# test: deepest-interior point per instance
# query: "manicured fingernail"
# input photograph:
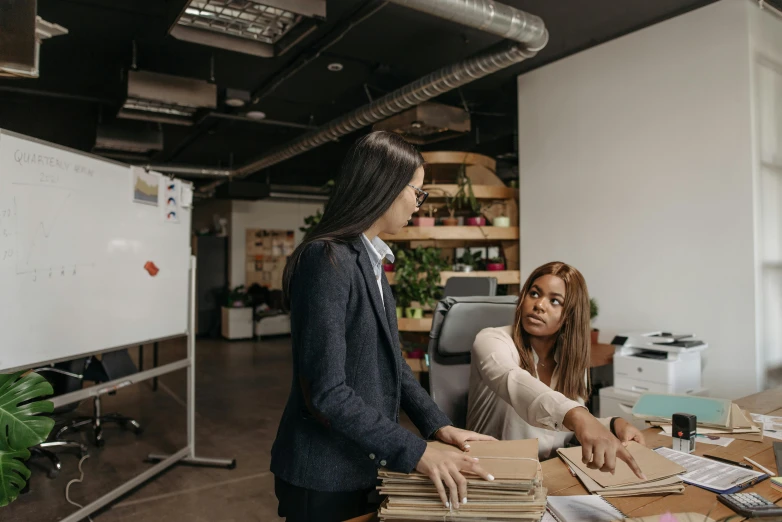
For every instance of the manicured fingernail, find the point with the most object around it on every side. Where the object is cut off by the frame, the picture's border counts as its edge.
(475, 459)
(448, 505)
(464, 500)
(643, 476)
(466, 445)
(491, 477)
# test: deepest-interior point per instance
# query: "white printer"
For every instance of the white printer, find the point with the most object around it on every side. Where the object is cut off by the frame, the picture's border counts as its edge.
(657, 362)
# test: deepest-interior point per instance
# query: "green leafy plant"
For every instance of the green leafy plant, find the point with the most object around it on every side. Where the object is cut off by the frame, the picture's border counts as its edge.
(238, 298)
(21, 427)
(310, 222)
(470, 259)
(465, 197)
(450, 201)
(594, 309)
(418, 276)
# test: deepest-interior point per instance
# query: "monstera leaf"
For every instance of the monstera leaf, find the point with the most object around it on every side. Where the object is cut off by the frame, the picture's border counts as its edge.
(21, 424)
(13, 473)
(21, 427)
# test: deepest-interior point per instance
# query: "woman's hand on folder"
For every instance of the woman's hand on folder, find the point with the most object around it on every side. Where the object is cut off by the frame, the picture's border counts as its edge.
(445, 468)
(600, 448)
(459, 437)
(626, 432)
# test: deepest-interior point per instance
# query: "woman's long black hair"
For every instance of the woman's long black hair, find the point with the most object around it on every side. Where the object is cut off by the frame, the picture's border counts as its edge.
(375, 171)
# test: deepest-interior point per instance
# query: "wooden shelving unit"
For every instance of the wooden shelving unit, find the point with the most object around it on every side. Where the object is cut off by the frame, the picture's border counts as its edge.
(440, 180)
(480, 191)
(504, 277)
(414, 325)
(464, 233)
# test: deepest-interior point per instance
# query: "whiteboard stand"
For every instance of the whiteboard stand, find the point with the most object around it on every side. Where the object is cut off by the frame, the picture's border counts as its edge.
(186, 455)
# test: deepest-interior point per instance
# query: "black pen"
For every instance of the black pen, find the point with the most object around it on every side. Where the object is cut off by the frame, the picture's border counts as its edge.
(727, 461)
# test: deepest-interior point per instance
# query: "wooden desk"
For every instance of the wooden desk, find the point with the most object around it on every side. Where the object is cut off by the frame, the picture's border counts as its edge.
(559, 481)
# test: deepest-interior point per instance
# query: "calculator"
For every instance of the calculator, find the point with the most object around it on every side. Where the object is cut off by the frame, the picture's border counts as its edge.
(750, 505)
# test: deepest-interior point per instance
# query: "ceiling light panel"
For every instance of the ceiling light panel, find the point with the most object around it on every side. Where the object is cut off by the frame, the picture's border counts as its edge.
(241, 18)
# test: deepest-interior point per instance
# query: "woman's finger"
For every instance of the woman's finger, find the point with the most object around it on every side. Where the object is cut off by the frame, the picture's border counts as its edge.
(453, 490)
(473, 466)
(438, 484)
(625, 456)
(598, 456)
(586, 453)
(639, 438)
(461, 483)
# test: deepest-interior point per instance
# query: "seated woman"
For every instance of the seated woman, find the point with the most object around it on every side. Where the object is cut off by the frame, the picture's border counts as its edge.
(530, 379)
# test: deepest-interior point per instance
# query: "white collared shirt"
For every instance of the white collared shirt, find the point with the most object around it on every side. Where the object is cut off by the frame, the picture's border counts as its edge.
(378, 250)
(509, 403)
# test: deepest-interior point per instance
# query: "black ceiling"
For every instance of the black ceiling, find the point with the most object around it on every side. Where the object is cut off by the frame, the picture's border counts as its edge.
(385, 51)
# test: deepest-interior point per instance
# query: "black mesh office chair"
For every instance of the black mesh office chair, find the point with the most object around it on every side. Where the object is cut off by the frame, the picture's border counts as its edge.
(457, 320)
(111, 366)
(65, 378)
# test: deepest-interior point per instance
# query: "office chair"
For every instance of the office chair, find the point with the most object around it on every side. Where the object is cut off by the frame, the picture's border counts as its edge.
(111, 366)
(457, 320)
(470, 286)
(65, 378)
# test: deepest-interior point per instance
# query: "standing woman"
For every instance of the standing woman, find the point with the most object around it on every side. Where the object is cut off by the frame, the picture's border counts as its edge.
(349, 378)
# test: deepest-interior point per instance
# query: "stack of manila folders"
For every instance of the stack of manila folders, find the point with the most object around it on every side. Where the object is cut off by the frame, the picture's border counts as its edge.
(662, 475)
(515, 494)
(720, 417)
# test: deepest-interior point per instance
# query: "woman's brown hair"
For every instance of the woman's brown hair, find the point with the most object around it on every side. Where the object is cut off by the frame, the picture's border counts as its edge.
(573, 339)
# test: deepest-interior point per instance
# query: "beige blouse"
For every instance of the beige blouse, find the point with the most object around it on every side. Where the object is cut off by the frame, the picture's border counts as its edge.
(507, 402)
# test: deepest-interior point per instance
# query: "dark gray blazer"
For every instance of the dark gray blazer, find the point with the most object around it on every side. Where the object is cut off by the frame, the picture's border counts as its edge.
(349, 378)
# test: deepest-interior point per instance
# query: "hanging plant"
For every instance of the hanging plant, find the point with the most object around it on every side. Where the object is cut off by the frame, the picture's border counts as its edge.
(21, 427)
(310, 222)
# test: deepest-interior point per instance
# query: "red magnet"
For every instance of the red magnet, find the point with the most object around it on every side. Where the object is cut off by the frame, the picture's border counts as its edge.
(150, 267)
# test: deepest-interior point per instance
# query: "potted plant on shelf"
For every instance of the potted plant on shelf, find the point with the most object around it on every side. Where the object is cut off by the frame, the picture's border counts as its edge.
(467, 262)
(594, 309)
(21, 427)
(465, 199)
(418, 280)
(450, 205)
(495, 264)
(425, 221)
(502, 220)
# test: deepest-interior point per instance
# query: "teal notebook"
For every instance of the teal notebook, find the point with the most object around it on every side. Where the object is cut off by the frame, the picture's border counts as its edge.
(654, 406)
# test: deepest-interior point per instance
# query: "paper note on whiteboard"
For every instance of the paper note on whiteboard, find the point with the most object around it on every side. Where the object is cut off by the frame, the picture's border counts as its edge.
(187, 196)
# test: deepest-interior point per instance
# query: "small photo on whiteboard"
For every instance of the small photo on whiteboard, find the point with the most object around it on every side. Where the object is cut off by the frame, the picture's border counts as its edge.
(145, 187)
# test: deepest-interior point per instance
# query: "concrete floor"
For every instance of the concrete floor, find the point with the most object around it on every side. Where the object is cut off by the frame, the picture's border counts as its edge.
(241, 392)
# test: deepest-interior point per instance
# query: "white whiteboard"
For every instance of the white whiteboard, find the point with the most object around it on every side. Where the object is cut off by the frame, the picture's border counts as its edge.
(73, 248)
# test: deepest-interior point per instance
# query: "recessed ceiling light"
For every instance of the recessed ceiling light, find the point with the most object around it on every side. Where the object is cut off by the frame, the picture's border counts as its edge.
(256, 115)
(234, 102)
(335, 67)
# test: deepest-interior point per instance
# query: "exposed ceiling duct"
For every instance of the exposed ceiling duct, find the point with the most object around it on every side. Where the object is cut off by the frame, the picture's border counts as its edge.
(487, 15)
(428, 123)
(426, 88)
(128, 138)
(527, 30)
(165, 98)
(264, 28)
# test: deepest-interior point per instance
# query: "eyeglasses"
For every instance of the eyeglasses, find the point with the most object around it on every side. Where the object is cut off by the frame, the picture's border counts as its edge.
(420, 195)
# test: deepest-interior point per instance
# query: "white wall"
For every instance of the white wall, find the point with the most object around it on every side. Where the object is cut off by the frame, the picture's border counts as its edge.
(635, 161)
(273, 215)
(766, 60)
